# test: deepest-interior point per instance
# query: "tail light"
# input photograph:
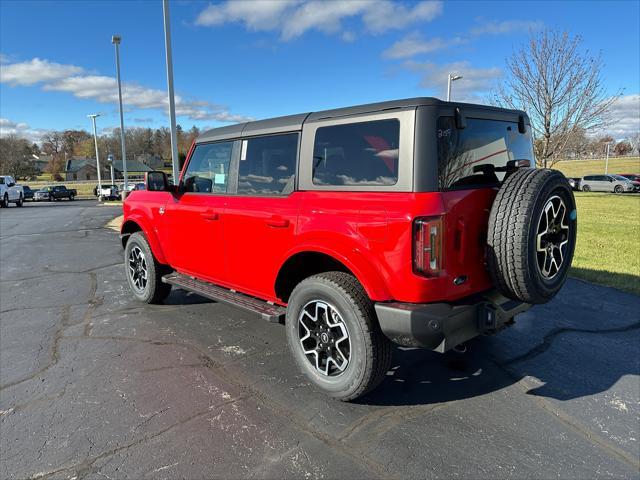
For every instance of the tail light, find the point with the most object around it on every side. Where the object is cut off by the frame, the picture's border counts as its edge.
(427, 249)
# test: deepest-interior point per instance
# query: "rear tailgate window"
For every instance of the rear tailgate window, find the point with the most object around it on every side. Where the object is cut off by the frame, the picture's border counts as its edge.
(477, 156)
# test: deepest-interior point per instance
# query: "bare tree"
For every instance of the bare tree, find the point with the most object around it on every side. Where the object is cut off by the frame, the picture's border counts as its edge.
(560, 87)
(16, 157)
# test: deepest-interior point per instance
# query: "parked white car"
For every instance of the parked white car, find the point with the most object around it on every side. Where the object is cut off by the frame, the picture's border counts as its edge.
(10, 192)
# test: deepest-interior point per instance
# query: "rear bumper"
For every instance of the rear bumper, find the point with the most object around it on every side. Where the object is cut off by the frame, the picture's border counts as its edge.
(442, 326)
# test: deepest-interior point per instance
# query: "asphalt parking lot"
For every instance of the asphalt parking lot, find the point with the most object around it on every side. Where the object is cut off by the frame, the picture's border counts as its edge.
(95, 385)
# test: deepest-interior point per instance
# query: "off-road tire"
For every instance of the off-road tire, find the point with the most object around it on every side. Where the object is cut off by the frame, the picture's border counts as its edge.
(514, 221)
(155, 291)
(370, 354)
(20, 201)
(586, 188)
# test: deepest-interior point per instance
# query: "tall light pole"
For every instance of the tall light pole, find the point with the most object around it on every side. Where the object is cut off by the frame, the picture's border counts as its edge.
(95, 139)
(116, 39)
(172, 102)
(606, 162)
(452, 78)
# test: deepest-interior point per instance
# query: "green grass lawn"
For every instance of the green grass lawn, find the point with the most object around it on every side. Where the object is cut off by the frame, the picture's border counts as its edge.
(608, 247)
(580, 168)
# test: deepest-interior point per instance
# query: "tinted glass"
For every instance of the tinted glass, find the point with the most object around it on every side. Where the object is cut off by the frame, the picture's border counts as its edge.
(589, 177)
(1, 180)
(363, 153)
(268, 165)
(208, 169)
(477, 155)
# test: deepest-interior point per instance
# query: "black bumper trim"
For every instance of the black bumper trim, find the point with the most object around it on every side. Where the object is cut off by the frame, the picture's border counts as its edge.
(442, 326)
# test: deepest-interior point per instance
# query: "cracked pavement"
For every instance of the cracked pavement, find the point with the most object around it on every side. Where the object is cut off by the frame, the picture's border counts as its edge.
(95, 385)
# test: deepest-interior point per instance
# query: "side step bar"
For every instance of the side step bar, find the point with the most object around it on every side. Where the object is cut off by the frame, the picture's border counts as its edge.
(268, 311)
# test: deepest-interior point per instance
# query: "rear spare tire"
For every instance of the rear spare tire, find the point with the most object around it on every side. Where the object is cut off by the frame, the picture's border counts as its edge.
(532, 235)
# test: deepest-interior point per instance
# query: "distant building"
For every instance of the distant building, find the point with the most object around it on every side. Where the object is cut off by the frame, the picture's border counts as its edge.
(79, 168)
(40, 162)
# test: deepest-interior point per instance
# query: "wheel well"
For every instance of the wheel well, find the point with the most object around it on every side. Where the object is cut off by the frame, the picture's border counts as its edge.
(301, 266)
(128, 228)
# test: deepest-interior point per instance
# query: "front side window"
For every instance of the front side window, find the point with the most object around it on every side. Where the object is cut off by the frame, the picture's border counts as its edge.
(479, 154)
(364, 153)
(208, 169)
(268, 165)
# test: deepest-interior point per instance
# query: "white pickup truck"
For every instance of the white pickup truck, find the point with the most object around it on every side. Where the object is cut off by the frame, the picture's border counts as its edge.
(10, 192)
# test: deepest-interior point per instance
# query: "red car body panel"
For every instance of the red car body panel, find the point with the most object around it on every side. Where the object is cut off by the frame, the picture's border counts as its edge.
(242, 242)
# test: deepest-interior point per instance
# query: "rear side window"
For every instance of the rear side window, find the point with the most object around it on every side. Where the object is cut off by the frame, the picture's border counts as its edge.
(268, 165)
(478, 155)
(363, 153)
(208, 169)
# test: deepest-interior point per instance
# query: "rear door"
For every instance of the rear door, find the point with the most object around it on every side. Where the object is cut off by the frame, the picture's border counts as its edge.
(260, 220)
(195, 217)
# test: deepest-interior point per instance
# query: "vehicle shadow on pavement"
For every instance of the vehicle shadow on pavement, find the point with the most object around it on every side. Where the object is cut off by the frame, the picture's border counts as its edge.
(182, 297)
(569, 364)
(422, 377)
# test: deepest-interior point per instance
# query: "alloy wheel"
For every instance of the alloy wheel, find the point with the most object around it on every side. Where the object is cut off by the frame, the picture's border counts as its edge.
(324, 338)
(138, 272)
(552, 237)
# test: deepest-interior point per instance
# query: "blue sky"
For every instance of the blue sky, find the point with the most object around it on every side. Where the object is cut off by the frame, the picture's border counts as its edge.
(257, 59)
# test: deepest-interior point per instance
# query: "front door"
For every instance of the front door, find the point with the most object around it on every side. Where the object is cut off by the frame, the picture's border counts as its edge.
(261, 219)
(195, 217)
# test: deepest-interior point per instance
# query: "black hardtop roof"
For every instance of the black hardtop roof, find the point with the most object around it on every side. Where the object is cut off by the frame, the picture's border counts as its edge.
(291, 123)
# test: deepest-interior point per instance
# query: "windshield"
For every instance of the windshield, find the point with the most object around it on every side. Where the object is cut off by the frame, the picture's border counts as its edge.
(620, 178)
(477, 155)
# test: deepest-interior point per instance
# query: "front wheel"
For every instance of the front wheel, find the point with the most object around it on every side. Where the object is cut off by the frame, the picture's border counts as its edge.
(618, 189)
(71, 198)
(20, 201)
(5, 201)
(334, 336)
(144, 272)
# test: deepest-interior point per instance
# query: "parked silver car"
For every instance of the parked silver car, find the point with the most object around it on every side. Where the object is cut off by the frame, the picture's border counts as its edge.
(606, 183)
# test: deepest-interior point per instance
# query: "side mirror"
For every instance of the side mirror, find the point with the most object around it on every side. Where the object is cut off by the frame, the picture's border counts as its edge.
(11, 185)
(157, 182)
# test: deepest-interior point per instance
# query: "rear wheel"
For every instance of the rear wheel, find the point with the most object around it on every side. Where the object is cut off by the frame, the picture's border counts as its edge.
(20, 201)
(72, 197)
(144, 272)
(532, 235)
(334, 336)
(586, 188)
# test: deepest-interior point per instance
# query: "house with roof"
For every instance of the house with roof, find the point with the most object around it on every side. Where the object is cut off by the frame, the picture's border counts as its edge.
(83, 168)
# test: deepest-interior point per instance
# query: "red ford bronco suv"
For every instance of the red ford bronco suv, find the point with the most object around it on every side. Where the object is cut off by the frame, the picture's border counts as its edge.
(416, 221)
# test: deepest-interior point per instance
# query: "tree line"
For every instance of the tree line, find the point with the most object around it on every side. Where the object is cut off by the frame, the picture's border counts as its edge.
(18, 156)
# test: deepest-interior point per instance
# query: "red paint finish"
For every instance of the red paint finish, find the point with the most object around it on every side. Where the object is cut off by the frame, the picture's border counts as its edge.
(241, 242)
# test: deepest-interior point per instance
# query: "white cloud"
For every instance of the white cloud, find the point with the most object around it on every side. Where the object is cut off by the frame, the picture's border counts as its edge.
(34, 71)
(474, 86)
(293, 18)
(414, 44)
(506, 26)
(20, 129)
(74, 80)
(625, 117)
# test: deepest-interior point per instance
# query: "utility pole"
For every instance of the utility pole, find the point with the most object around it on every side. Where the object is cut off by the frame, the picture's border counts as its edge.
(95, 139)
(172, 102)
(606, 163)
(116, 39)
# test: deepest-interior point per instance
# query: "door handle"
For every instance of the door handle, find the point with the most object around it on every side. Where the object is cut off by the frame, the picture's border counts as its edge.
(211, 216)
(278, 222)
